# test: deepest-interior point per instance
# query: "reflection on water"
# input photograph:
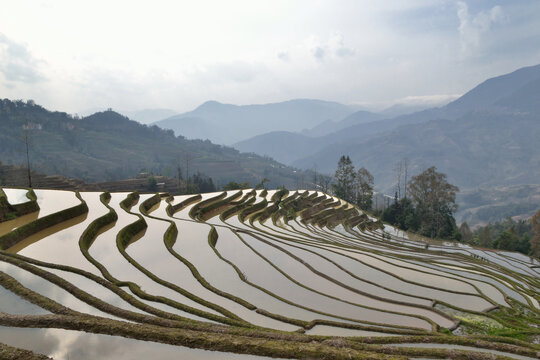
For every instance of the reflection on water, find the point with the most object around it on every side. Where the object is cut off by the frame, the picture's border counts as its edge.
(77, 345)
(47, 233)
(48, 289)
(7, 226)
(192, 243)
(231, 280)
(51, 201)
(302, 274)
(383, 269)
(263, 274)
(105, 251)
(13, 304)
(62, 245)
(16, 196)
(393, 283)
(461, 347)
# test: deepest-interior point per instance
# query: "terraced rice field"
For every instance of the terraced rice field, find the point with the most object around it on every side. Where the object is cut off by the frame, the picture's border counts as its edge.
(257, 273)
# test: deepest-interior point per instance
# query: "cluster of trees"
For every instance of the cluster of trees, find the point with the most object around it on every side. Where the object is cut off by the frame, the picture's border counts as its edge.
(427, 206)
(522, 235)
(353, 186)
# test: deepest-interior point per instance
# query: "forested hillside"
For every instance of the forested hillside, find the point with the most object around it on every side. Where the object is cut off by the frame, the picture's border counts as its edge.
(109, 146)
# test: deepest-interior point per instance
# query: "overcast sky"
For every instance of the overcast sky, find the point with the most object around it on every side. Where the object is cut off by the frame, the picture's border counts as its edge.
(77, 55)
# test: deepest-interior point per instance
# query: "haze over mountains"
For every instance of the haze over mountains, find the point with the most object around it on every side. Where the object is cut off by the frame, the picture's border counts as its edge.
(493, 121)
(489, 137)
(227, 124)
(486, 141)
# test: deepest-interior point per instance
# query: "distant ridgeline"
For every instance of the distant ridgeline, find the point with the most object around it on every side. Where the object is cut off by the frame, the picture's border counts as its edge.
(107, 146)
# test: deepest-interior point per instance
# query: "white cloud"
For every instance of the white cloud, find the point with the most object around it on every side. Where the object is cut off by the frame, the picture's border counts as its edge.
(337, 46)
(472, 28)
(334, 47)
(178, 54)
(17, 64)
(284, 56)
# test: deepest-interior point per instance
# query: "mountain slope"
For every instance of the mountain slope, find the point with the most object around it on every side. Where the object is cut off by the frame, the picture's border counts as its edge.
(481, 148)
(227, 124)
(492, 91)
(282, 146)
(279, 145)
(327, 127)
(109, 146)
(518, 91)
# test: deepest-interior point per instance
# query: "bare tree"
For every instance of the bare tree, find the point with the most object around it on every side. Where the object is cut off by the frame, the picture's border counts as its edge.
(364, 191)
(315, 175)
(324, 182)
(398, 170)
(405, 168)
(401, 169)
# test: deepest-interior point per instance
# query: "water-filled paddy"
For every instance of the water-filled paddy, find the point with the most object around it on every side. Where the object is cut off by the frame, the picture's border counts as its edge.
(75, 345)
(218, 276)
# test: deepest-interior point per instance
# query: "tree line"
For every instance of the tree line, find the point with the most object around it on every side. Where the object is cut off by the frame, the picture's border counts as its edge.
(513, 235)
(426, 204)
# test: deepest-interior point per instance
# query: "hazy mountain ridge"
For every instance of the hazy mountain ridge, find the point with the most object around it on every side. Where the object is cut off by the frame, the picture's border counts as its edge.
(479, 148)
(281, 145)
(486, 138)
(283, 150)
(518, 91)
(358, 117)
(109, 146)
(227, 124)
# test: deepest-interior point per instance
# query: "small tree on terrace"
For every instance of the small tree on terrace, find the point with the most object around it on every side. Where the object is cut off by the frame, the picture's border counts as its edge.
(435, 201)
(364, 183)
(345, 176)
(466, 233)
(535, 241)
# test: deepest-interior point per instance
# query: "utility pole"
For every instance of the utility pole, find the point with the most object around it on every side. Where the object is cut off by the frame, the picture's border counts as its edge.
(26, 128)
(187, 158)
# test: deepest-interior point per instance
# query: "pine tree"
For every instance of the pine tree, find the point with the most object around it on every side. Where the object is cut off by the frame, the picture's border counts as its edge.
(508, 240)
(345, 176)
(484, 238)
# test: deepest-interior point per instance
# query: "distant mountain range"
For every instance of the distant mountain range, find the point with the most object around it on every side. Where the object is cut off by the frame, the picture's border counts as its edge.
(486, 141)
(228, 124)
(489, 137)
(504, 105)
